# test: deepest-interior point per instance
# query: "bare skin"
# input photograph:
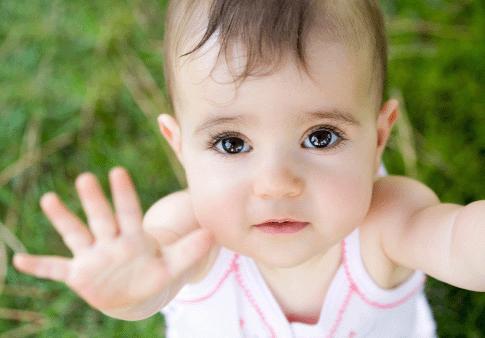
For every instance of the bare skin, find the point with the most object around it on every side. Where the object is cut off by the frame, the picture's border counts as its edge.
(117, 267)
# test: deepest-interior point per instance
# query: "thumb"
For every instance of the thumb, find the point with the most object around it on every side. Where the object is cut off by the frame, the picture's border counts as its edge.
(188, 251)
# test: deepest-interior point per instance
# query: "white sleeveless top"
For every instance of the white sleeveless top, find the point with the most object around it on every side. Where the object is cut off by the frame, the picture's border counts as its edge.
(233, 300)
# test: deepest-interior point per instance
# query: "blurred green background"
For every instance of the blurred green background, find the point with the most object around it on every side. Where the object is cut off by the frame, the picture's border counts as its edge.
(81, 84)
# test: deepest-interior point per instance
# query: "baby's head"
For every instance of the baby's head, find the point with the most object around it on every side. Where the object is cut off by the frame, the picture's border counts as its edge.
(257, 37)
(277, 116)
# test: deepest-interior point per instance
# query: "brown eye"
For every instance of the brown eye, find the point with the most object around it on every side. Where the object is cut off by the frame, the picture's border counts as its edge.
(231, 145)
(321, 138)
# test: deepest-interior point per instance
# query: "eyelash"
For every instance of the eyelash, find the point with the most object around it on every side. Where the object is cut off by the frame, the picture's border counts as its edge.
(214, 139)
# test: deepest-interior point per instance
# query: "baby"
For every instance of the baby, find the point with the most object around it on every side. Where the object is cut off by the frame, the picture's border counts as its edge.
(286, 229)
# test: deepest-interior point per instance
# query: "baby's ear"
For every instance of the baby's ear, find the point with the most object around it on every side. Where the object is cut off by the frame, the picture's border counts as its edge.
(387, 117)
(170, 130)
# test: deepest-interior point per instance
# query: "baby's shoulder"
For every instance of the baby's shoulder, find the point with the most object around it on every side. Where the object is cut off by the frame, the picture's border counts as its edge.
(399, 195)
(395, 199)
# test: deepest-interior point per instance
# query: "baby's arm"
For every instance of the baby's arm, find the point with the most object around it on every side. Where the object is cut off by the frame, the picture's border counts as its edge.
(172, 223)
(116, 267)
(444, 240)
(170, 219)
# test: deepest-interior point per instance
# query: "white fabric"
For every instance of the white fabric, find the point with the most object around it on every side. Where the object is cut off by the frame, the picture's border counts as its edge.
(234, 301)
(382, 170)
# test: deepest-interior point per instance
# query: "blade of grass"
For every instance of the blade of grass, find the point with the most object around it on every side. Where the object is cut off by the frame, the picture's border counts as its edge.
(398, 26)
(24, 331)
(7, 237)
(3, 266)
(147, 95)
(25, 291)
(404, 139)
(32, 157)
(21, 315)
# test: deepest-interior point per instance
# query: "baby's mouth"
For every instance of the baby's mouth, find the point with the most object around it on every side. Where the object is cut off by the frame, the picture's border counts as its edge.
(281, 226)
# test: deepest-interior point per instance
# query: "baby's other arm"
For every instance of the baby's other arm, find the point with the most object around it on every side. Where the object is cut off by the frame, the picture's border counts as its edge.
(170, 219)
(444, 240)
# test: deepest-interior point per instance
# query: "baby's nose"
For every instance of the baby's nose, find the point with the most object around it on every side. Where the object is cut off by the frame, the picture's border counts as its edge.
(276, 182)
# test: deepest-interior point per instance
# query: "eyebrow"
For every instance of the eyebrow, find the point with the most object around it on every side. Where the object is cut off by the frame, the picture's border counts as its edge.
(215, 121)
(334, 114)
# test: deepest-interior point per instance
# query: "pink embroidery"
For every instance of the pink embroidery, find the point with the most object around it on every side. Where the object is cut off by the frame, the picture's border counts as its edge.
(252, 301)
(232, 268)
(354, 288)
(341, 312)
(365, 298)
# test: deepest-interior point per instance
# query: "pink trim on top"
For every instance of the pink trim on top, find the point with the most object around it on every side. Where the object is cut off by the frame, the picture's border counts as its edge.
(364, 297)
(252, 301)
(341, 311)
(232, 268)
(355, 289)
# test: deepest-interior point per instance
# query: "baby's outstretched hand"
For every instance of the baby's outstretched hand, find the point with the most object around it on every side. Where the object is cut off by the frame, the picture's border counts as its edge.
(115, 263)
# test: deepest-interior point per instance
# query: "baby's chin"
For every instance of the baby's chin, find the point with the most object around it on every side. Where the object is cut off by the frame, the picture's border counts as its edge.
(282, 261)
(282, 255)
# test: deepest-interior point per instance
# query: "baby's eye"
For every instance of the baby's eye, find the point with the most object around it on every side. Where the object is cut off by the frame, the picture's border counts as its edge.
(322, 138)
(231, 145)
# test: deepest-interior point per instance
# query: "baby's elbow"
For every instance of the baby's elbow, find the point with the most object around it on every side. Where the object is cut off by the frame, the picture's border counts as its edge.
(170, 218)
(165, 210)
(152, 218)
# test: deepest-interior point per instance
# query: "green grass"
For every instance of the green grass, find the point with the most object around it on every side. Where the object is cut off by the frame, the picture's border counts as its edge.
(81, 85)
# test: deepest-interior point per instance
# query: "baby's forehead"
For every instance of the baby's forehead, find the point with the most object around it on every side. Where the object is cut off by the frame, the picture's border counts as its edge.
(335, 75)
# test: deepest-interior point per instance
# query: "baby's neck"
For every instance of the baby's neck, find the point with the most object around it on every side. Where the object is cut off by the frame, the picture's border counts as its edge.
(319, 265)
(300, 291)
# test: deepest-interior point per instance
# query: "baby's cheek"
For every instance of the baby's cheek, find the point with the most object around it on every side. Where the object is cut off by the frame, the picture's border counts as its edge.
(217, 206)
(358, 193)
(220, 220)
(345, 200)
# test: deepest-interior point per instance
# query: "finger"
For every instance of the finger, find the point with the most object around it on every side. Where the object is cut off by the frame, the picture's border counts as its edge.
(183, 254)
(74, 233)
(127, 205)
(50, 267)
(97, 208)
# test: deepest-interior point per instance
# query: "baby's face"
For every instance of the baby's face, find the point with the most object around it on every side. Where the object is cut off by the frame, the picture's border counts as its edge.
(282, 146)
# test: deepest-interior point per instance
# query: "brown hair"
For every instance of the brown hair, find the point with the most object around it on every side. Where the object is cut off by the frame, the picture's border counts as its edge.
(272, 29)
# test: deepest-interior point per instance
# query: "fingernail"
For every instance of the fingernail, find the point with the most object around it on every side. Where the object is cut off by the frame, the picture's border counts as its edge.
(115, 169)
(47, 196)
(17, 258)
(84, 176)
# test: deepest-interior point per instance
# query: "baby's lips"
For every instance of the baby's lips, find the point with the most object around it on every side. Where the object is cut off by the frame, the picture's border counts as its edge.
(280, 221)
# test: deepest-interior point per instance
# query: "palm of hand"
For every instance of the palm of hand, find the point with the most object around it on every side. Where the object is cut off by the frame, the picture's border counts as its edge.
(118, 272)
(115, 263)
